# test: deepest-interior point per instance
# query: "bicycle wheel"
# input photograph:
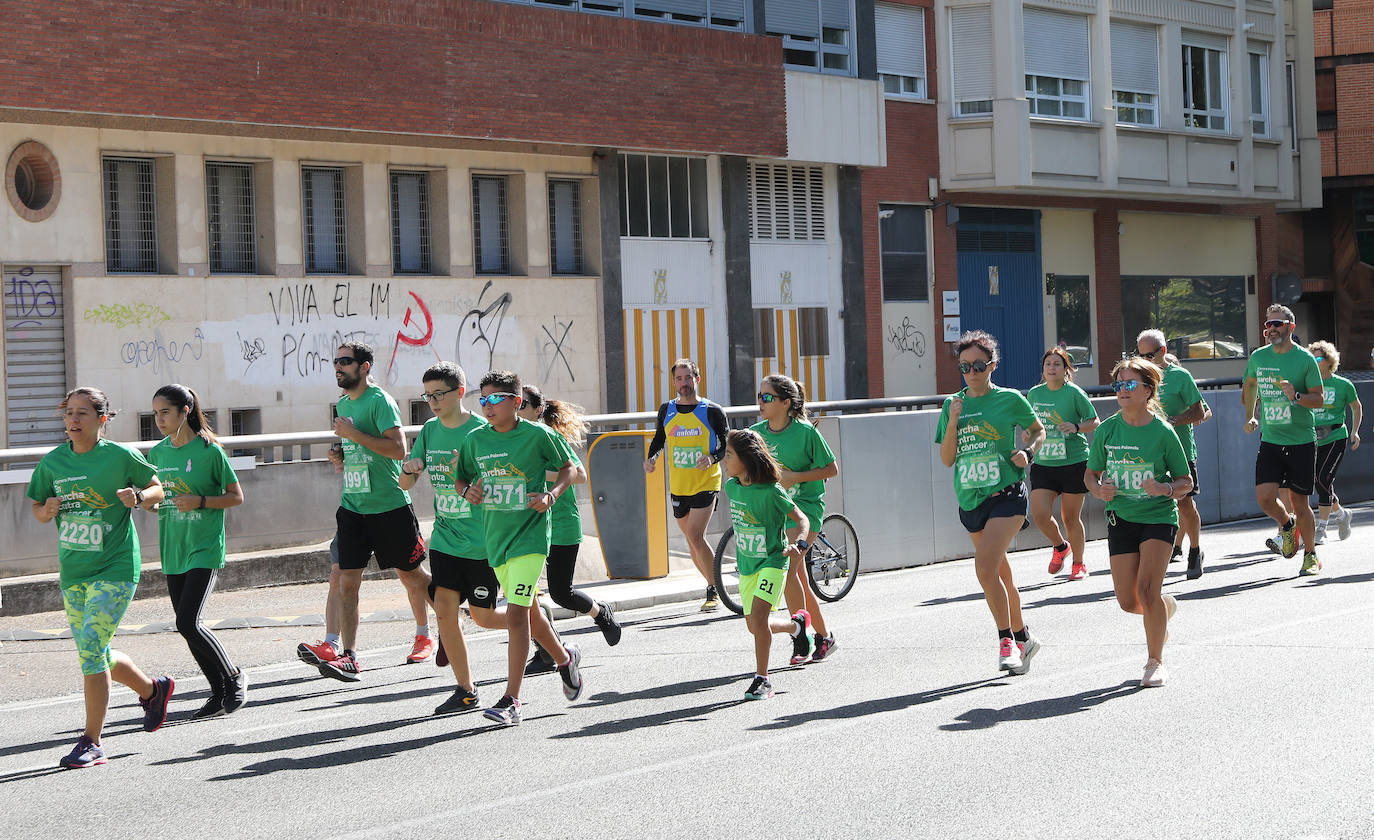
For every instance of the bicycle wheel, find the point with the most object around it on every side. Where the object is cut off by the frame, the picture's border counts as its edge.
(832, 564)
(726, 573)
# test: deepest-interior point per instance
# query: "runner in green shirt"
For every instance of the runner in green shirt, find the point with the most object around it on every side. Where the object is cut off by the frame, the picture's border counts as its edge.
(1283, 387)
(1338, 393)
(1067, 415)
(1137, 466)
(90, 485)
(806, 462)
(503, 468)
(976, 434)
(200, 485)
(759, 510)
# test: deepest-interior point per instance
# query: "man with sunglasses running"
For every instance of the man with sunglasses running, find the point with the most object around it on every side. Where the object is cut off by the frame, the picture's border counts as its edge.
(1288, 384)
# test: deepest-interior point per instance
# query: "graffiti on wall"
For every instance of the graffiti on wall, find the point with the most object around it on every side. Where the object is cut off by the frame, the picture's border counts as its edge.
(127, 314)
(906, 338)
(160, 354)
(30, 301)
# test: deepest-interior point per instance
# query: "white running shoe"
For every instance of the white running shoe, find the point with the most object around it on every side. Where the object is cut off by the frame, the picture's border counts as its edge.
(1321, 533)
(1008, 655)
(1155, 674)
(1029, 648)
(1343, 523)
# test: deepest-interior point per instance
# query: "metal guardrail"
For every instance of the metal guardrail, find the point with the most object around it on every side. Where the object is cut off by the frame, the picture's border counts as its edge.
(296, 446)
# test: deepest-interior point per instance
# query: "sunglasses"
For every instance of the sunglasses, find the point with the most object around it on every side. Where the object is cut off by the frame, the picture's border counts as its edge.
(1320, 358)
(495, 399)
(344, 361)
(1151, 354)
(975, 367)
(766, 398)
(1275, 323)
(1125, 385)
(437, 395)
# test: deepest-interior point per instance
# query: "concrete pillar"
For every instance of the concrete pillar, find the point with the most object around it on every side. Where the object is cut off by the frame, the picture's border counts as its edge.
(739, 290)
(612, 305)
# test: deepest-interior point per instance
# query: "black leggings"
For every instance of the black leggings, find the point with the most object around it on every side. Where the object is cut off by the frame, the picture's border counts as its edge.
(189, 591)
(1328, 461)
(559, 571)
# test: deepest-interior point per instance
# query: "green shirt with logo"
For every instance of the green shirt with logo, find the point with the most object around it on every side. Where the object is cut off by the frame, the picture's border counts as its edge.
(1283, 421)
(1337, 395)
(759, 513)
(96, 540)
(987, 440)
(457, 527)
(513, 467)
(800, 447)
(1128, 455)
(193, 539)
(371, 483)
(1069, 404)
(1178, 393)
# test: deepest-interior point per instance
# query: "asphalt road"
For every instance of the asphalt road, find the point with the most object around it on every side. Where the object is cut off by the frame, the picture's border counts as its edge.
(1264, 729)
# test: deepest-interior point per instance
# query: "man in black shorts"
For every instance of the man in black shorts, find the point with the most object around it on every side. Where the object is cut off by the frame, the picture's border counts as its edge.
(692, 431)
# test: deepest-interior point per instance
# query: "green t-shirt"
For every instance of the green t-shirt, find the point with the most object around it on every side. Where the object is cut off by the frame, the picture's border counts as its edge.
(1178, 393)
(1337, 394)
(457, 527)
(1070, 404)
(567, 521)
(95, 532)
(759, 514)
(1129, 454)
(1282, 421)
(799, 448)
(987, 439)
(371, 483)
(194, 539)
(512, 466)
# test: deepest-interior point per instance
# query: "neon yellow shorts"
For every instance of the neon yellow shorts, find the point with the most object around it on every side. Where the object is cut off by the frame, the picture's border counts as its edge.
(764, 585)
(519, 578)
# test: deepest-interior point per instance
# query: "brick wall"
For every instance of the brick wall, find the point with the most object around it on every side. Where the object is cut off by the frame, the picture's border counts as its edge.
(1355, 114)
(465, 68)
(1321, 33)
(1352, 25)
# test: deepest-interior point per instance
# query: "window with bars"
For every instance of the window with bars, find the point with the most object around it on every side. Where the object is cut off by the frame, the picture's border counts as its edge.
(245, 421)
(147, 427)
(419, 412)
(813, 331)
(325, 223)
(663, 197)
(765, 334)
(786, 202)
(1204, 84)
(490, 224)
(130, 215)
(902, 238)
(229, 218)
(410, 243)
(565, 226)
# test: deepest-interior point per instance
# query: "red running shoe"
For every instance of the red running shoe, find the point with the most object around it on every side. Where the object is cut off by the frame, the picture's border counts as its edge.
(1057, 559)
(422, 650)
(316, 653)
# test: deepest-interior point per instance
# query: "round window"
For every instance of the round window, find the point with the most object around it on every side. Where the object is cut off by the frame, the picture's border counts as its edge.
(32, 181)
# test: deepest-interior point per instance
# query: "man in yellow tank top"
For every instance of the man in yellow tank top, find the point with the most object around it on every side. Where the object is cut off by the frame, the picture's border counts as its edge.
(692, 431)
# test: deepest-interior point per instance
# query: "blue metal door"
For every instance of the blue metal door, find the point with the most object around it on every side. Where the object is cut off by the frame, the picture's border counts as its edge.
(1000, 288)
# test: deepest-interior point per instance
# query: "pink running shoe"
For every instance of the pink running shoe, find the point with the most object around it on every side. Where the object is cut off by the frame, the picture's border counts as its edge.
(801, 643)
(1079, 572)
(422, 650)
(1057, 559)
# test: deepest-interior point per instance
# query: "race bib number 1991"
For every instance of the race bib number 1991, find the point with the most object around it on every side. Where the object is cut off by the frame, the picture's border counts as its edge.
(357, 479)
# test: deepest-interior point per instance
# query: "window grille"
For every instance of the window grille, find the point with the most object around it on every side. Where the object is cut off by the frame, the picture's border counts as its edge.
(410, 243)
(490, 225)
(229, 216)
(663, 197)
(565, 226)
(902, 237)
(326, 232)
(130, 215)
(786, 202)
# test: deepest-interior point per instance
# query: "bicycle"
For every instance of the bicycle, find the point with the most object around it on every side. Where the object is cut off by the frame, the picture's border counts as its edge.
(832, 563)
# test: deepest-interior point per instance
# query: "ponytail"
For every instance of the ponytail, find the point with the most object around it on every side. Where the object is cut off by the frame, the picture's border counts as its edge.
(184, 398)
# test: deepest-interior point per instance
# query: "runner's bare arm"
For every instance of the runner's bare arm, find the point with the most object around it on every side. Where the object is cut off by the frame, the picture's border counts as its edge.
(392, 443)
(949, 444)
(46, 511)
(1190, 416)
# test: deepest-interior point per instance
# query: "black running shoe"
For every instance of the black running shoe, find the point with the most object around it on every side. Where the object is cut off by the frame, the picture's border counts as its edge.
(214, 707)
(605, 619)
(571, 674)
(461, 700)
(540, 663)
(235, 692)
(1178, 552)
(345, 668)
(155, 707)
(1195, 557)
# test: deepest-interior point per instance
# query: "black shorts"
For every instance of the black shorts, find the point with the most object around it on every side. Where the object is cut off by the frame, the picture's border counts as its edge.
(682, 505)
(473, 580)
(1293, 466)
(393, 536)
(1011, 501)
(1064, 479)
(1126, 537)
(1192, 473)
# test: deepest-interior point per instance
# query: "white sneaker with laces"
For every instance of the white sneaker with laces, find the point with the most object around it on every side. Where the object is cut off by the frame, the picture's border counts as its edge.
(1343, 523)
(1321, 533)
(1155, 674)
(1029, 648)
(1008, 655)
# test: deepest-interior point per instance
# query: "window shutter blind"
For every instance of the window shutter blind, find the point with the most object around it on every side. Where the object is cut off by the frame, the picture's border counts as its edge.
(682, 7)
(793, 17)
(835, 14)
(728, 9)
(1135, 57)
(971, 39)
(1056, 44)
(901, 32)
(1205, 39)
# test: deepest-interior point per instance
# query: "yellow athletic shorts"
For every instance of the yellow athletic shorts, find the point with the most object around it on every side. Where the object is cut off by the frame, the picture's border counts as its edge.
(764, 585)
(519, 578)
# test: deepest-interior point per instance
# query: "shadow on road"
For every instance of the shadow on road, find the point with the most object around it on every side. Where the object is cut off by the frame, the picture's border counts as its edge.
(664, 718)
(1322, 581)
(877, 706)
(1230, 589)
(661, 692)
(1040, 709)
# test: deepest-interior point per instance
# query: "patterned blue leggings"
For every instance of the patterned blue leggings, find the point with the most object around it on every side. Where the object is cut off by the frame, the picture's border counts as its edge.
(94, 610)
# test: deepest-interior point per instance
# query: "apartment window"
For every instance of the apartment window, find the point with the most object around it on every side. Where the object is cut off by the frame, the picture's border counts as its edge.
(1364, 224)
(130, 215)
(419, 412)
(1071, 309)
(245, 421)
(1259, 91)
(1289, 88)
(970, 32)
(1057, 67)
(901, 45)
(229, 218)
(326, 231)
(147, 427)
(720, 14)
(786, 202)
(565, 226)
(765, 334)
(815, 33)
(410, 243)
(663, 197)
(1204, 82)
(490, 224)
(813, 331)
(1202, 317)
(1135, 73)
(902, 238)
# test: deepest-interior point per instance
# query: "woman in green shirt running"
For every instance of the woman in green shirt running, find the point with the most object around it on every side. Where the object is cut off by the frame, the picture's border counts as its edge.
(1067, 415)
(1338, 393)
(977, 435)
(90, 486)
(1137, 466)
(200, 485)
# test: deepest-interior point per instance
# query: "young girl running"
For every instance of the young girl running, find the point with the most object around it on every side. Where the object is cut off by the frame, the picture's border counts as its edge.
(759, 509)
(1137, 466)
(1067, 415)
(566, 419)
(987, 483)
(1332, 434)
(199, 485)
(90, 486)
(806, 462)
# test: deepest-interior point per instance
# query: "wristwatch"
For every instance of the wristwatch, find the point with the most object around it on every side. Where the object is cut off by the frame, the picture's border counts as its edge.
(802, 545)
